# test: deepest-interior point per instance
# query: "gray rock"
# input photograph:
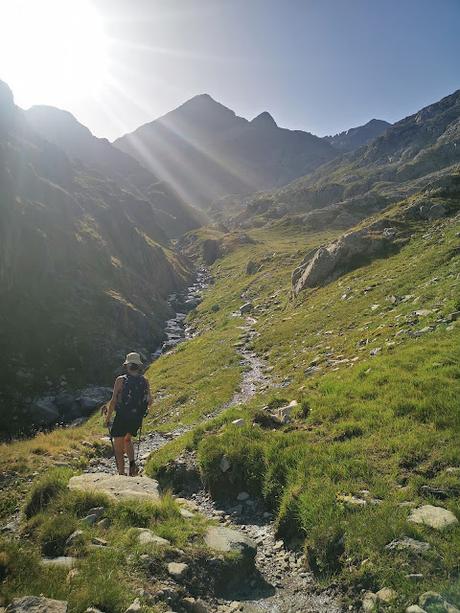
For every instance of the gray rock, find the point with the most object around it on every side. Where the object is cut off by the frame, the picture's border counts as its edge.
(414, 608)
(408, 544)
(433, 599)
(242, 496)
(333, 260)
(90, 519)
(435, 517)
(177, 570)
(147, 537)
(118, 487)
(76, 538)
(284, 413)
(226, 540)
(386, 595)
(134, 607)
(36, 604)
(246, 308)
(44, 411)
(61, 561)
(225, 464)
(239, 423)
(195, 605)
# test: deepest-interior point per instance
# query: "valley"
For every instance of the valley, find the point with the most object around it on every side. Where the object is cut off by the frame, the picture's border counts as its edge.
(302, 453)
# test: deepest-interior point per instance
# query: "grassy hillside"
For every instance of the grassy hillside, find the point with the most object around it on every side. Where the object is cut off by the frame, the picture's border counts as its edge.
(378, 419)
(374, 362)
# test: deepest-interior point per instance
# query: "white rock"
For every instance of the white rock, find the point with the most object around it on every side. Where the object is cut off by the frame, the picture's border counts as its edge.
(135, 607)
(435, 517)
(386, 595)
(61, 561)
(227, 540)
(414, 608)
(177, 570)
(118, 487)
(146, 537)
(225, 464)
(239, 423)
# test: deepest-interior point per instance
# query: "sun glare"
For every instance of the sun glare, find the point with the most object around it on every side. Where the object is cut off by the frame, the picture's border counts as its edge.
(52, 50)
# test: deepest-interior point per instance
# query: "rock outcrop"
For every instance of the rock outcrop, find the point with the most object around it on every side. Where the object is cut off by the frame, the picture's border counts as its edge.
(227, 540)
(117, 487)
(350, 251)
(36, 604)
(85, 271)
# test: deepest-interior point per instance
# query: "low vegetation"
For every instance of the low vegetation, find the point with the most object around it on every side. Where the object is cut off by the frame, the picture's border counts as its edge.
(373, 361)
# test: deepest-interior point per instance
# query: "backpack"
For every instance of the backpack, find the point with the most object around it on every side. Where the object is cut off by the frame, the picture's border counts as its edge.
(134, 397)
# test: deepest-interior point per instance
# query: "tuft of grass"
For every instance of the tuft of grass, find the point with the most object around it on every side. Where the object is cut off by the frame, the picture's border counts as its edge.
(54, 532)
(45, 490)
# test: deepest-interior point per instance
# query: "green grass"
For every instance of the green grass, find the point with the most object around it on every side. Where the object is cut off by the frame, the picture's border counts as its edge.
(107, 577)
(388, 424)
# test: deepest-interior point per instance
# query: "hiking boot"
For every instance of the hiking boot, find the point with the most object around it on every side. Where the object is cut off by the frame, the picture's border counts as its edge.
(133, 470)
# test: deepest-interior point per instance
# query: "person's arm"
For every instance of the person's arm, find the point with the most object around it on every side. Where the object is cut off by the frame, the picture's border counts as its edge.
(113, 401)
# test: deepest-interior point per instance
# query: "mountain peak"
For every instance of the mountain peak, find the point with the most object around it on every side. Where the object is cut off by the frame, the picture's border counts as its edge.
(264, 119)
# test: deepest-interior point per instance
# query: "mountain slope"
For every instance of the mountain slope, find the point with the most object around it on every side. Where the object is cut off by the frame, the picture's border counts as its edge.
(207, 151)
(85, 266)
(420, 150)
(61, 128)
(357, 137)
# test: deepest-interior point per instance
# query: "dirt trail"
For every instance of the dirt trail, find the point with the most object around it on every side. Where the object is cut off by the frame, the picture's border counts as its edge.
(280, 583)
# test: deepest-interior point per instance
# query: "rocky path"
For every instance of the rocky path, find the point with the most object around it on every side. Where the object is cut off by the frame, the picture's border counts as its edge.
(279, 583)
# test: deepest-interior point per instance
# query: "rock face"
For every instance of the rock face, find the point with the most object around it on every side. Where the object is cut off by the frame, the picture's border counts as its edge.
(37, 604)
(435, 517)
(350, 251)
(226, 540)
(117, 487)
(93, 281)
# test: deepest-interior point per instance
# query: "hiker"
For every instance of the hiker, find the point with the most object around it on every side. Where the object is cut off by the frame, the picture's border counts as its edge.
(131, 400)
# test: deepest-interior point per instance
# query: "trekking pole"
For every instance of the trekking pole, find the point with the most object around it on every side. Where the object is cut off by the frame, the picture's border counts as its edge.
(139, 442)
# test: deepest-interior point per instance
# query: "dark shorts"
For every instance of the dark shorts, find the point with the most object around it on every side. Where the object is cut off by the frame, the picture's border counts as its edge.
(125, 424)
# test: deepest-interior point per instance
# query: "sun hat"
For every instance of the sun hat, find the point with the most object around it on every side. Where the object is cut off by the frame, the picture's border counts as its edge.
(133, 358)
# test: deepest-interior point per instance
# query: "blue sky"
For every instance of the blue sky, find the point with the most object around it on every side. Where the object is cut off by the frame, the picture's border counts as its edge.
(316, 65)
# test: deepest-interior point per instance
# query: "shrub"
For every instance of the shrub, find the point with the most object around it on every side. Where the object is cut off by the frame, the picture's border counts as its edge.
(46, 489)
(54, 533)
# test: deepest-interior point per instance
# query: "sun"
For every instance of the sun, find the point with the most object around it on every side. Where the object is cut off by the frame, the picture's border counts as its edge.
(52, 51)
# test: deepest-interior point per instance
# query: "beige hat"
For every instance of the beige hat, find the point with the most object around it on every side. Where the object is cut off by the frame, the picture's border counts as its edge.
(133, 358)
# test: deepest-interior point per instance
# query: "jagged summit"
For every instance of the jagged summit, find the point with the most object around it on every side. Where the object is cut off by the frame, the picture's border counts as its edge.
(211, 152)
(264, 119)
(356, 137)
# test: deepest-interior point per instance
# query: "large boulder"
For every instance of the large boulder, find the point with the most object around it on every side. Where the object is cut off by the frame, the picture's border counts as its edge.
(226, 540)
(91, 398)
(36, 604)
(435, 517)
(350, 251)
(118, 487)
(44, 411)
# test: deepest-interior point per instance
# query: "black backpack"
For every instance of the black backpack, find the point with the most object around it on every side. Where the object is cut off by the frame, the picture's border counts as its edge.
(134, 396)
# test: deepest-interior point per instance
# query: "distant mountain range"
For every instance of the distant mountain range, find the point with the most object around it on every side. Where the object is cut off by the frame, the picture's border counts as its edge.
(420, 150)
(206, 151)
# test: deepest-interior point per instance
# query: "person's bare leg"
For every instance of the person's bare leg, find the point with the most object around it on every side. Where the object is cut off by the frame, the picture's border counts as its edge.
(119, 446)
(129, 448)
